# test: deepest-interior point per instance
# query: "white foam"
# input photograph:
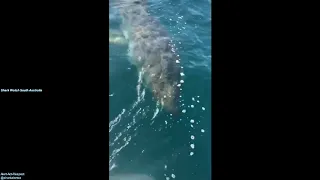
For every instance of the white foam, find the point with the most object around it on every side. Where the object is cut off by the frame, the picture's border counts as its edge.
(191, 153)
(139, 84)
(181, 81)
(155, 113)
(192, 106)
(165, 122)
(134, 117)
(115, 139)
(178, 85)
(112, 166)
(193, 99)
(116, 120)
(173, 176)
(116, 151)
(182, 74)
(198, 101)
(192, 121)
(177, 61)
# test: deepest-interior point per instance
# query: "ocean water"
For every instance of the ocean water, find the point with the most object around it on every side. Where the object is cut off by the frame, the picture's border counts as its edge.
(143, 138)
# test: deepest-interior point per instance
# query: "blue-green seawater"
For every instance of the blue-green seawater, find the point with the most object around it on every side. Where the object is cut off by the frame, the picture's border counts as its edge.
(143, 138)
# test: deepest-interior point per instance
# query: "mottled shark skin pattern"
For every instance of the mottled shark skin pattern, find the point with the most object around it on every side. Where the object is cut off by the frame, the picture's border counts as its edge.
(151, 51)
(131, 177)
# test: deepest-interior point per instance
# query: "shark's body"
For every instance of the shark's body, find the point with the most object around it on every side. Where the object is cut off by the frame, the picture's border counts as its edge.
(150, 50)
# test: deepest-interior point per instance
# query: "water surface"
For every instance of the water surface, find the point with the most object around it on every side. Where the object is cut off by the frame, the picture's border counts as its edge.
(144, 139)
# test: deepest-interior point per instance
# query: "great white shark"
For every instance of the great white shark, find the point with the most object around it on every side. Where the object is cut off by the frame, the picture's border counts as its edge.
(151, 50)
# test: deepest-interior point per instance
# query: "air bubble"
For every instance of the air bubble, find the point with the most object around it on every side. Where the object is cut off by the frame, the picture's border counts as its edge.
(202, 130)
(192, 121)
(192, 106)
(203, 108)
(192, 146)
(184, 111)
(191, 153)
(173, 176)
(192, 137)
